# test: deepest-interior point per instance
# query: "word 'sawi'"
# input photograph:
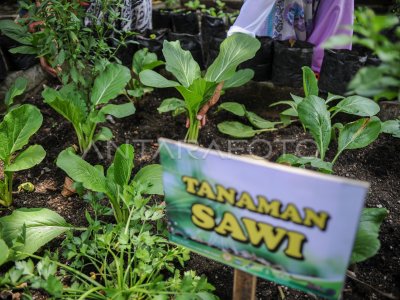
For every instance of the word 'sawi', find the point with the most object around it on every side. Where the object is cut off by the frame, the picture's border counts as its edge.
(256, 233)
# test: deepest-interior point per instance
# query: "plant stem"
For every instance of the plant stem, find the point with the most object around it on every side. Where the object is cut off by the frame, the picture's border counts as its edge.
(192, 134)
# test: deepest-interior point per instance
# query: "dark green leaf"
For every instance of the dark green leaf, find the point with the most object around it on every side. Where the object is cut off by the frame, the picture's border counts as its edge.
(18, 88)
(171, 104)
(359, 106)
(240, 78)
(234, 108)
(236, 129)
(310, 83)
(32, 156)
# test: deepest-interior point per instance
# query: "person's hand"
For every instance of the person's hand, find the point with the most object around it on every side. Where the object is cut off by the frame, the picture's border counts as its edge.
(202, 115)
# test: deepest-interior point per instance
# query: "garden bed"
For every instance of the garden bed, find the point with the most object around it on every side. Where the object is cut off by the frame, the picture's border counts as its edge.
(377, 164)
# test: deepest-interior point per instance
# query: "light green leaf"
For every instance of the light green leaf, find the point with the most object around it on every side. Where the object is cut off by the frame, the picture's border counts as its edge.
(4, 252)
(81, 171)
(123, 164)
(17, 127)
(171, 104)
(41, 224)
(359, 106)
(314, 115)
(119, 110)
(24, 50)
(105, 134)
(302, 162)
(110, 84)
(142, 59)
(180, 63)
(153, 79)
(234, 50)
(15, 32)
(236, 129)
(32, 156)
(17, 89)
(150, 177)
(259, 122)
(332, 97)
(391, 127)
(240, 78)
(359, 134)
(367, 242)
(310, 83)
(68, 103)
(234, 108)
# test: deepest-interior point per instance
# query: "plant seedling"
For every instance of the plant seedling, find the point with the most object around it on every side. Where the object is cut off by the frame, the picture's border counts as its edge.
(196, 89)
(142, 60)
(17, 89)
(316, 115)
(86, 111)
(116, 184)
(15, 131)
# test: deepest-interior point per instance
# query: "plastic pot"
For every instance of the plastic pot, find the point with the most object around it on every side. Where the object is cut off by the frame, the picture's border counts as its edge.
(152, 40)
(338, 68)
(190, 43)
(212, 27)
(262, 61)
(162, 19)
(288, 60)
(211, 52)
(185, 22)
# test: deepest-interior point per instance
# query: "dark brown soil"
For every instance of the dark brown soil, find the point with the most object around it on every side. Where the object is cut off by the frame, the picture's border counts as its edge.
(377, 164)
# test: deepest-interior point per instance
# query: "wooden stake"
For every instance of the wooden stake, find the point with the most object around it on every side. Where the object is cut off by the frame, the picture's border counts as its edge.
(244, 286)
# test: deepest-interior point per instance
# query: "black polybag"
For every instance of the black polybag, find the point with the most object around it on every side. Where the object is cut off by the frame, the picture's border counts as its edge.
(190, 43)
(16, 61)
(185, 22)
(162, 19)
(211, 52)
(339, 67)
(288, 61)
(261, 63)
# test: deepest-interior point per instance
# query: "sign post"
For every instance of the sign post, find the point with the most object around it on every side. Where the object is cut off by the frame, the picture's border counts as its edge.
(287, 225)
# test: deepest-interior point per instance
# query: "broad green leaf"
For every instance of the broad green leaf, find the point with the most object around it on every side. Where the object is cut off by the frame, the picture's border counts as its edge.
(359, 134)
(17, 89)
(391, 127)
(290, 112)
(314, 115)
(287, 159)
(359, 106)
(332, 97)
(4, 252)
(105, 134)
(296, 99)
(123, 164)
(81, 171)
(153, 79)
(310, 83)
(17, 127)
(41, 225)
(367, 242)
(236, 129)
(143, 58)
(110, 84)
(15, 32)
(119, 110)
(32, 156)
(234, 50)
(192, 99)
(171, 104)
(180, 63)
(24, 50)
(150, 177)
(240, 78)
(259, 122)
(68, 103)
(234, 108)
(315, 162)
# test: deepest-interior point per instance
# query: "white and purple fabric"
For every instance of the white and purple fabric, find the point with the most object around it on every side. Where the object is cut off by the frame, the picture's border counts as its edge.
(306, 20)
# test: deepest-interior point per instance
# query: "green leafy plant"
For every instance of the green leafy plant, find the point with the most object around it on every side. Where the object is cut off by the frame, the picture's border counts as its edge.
(142, 60)
(195, 89)
(107, 261)
(25, 231)
(86, 111)
(316, 114)
(369, 28)
(195, 5)
(55, 31)
(116, 184)
(16, 129)
(17, 89)
(240, 130)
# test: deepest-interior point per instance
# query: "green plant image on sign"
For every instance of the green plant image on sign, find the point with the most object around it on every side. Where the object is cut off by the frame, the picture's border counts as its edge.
(240, 211)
